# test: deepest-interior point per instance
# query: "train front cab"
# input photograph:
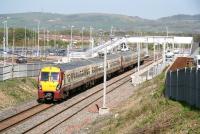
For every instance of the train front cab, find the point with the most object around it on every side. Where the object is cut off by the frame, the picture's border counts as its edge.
(49, 84)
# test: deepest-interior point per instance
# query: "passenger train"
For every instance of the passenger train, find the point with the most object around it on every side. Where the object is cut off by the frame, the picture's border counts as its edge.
(56, 82)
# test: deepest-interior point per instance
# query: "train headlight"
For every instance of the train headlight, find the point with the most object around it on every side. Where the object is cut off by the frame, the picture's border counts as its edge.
(58, 87)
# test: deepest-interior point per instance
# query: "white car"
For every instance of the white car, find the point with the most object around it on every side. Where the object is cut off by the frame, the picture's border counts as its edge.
(169, 54)
(176, 51)
(125, 49)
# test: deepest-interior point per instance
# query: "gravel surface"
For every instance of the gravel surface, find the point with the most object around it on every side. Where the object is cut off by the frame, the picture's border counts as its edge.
(45, 115)
(26, 125)
(5, 113)
(89, 114)
(66, 114)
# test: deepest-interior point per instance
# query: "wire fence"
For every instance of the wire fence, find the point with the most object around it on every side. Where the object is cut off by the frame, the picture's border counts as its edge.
(21, 70)
(183, 85)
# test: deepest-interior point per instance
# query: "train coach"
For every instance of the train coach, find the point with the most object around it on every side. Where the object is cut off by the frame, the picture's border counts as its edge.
(56, 82)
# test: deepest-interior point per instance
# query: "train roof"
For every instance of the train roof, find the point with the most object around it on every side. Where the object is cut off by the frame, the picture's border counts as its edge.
(96, 60)
(127, 53)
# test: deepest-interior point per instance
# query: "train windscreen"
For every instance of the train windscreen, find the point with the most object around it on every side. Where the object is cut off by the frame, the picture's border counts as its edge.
(47, 76)
(54, 76)
(44, 76)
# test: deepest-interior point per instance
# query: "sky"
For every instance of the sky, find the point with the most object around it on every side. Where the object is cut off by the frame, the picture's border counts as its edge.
(149, 9)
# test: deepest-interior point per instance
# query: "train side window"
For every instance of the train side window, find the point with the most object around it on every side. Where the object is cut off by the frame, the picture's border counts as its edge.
(93, 69)
(68, 77)
(72, 76)
(77, 74)
(85, 72)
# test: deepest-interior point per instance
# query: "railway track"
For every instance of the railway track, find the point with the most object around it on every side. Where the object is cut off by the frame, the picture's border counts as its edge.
(25, 115)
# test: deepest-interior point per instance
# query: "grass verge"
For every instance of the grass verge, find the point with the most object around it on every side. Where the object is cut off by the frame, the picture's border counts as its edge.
(148, 111)
(16, 91)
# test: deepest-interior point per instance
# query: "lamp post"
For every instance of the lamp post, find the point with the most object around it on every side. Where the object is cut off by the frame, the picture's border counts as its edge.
(6, 36)
(91, 41)
(47, 43)
(13, 50)
(82, 36)
(154, 52)
(44, 43)
(32, 41)
(111, 31)
(167, 37)
(54, 39)
(38, 47)
(47, 38)
(147, 49)
(25, 42)
(105, 73)
(5, 41)
(111, 36)
(104, 109)
(71, 36)
(3, 36)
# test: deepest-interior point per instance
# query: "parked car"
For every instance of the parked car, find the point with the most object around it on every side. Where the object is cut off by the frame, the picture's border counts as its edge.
(169, 54)
(176, 51)
(21, 59)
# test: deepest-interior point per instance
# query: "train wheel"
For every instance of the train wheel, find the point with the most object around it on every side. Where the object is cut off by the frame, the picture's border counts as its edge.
(83, 87)
(91, 83)
(121, 70)
(87, 85)
(65, 95)
(109, 76)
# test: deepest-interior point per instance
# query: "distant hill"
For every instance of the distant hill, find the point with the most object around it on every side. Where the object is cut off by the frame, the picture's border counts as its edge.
(177, 23)
(182, 23)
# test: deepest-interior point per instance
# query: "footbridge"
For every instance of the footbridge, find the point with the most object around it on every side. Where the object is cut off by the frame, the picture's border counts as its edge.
(112, 45)
(183, 44)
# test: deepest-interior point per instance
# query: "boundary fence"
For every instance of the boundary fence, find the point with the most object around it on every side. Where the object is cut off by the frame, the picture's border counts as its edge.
(183, 85)
(20, 70)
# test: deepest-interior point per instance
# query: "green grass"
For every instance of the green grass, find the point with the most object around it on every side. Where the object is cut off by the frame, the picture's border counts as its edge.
(148, 111)
(16, 91)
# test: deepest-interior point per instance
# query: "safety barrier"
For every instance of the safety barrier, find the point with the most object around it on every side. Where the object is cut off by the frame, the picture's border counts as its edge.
(183, 85)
